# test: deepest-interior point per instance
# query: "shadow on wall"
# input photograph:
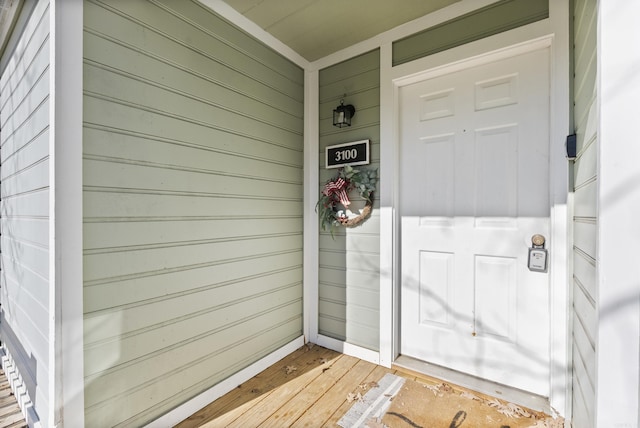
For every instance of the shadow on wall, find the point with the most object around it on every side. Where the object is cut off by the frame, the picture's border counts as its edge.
(481, 357)
(349, 281)
(20, 365)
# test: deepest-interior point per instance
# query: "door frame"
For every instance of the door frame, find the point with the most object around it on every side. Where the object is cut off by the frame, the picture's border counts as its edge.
(552, 34)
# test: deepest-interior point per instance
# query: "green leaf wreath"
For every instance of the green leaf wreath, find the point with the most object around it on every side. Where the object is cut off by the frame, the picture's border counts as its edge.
(334, 198)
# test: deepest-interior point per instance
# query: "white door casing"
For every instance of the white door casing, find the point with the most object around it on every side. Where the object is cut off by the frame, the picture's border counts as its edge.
(474, 188)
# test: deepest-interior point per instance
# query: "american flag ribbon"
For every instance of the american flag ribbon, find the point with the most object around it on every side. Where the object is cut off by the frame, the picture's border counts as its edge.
(339, 188)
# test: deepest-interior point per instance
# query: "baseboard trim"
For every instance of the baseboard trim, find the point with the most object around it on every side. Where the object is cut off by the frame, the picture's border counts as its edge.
(187, 409)
(349, 349)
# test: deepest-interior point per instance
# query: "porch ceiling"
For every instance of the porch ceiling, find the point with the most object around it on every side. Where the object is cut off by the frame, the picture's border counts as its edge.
(317, 28)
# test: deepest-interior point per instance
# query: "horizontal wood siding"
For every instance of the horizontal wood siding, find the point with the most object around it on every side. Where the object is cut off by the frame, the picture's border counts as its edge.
(585, 214)
(349, 271)
(193, 143)
(24, 206)
(493, 19)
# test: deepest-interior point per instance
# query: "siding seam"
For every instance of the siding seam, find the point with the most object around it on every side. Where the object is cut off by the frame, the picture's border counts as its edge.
(28, 243)
(585, 220)
(588, 258)
(15, 108)
(331, 317)
(191, 48)
(584, 291)
(24, 49)
(132, 334)
(157, 272)
(583, 118)
(583, 81)
(187, 95)
(25, 193)
(344, 269)
(334, 301)
(182, 68)
(334, 99)
(23, 169)
(144, 219)
(588, 30)
(176, 244)
(188, 292)
(24, 289)
(197, 388)
(175, 167)
(586, 331)
(352, 128)
(221, 40)
(586, 146)
(585, 183)
(580, 384)
(150, 382)
(144, 191)
(182, 118)
(31, 115)
(333, 284)
(192, 145)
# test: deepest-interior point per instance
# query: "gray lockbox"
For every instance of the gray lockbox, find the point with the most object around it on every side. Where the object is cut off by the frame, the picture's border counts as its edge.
(537, 254)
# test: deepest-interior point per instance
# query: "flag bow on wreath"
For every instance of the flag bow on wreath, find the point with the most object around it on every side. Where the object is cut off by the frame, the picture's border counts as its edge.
(339, 188)
(335, 194)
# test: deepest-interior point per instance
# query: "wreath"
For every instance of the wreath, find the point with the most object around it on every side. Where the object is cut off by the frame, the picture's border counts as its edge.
(333, 206)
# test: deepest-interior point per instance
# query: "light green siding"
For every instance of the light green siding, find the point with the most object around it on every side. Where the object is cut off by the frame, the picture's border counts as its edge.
(25, 191)
(192, 205)
(349, 263)
(493, 19)
(585, 213)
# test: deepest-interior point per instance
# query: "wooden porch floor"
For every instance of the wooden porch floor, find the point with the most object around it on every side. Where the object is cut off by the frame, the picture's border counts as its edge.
(10, 414)
(307, 388)
(312, 387)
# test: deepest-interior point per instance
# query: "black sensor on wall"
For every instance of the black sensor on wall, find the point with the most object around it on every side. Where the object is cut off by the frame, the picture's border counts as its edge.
(571, 145)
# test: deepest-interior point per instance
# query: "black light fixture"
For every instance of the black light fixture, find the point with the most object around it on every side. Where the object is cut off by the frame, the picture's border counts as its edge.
(342, 114)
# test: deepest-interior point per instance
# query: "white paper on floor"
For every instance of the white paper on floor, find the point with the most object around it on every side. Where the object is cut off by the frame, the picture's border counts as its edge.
(374, 403)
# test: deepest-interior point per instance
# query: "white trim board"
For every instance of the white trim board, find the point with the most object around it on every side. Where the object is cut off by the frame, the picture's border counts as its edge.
(561, 216)
(430, 20)
(551, 33)
(187, 409)
(66, 329)
(388, 237)
(617, 382)
(250, 27)
(437, 17)
(311, 178)
(349, 349)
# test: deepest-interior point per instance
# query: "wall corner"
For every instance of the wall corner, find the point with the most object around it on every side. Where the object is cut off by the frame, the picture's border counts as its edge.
(65, 148)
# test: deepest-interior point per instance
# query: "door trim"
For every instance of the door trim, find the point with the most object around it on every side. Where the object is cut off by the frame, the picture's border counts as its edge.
(552, 33)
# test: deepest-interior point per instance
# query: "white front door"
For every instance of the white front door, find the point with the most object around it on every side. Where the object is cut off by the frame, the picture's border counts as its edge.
(474, 188)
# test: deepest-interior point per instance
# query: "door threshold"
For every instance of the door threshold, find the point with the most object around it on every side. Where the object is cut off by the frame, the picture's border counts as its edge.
(507, 393)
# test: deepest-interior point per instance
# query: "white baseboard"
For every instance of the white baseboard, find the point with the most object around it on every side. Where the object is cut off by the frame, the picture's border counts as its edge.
(190, 407)
(18, 388)
(349, 349)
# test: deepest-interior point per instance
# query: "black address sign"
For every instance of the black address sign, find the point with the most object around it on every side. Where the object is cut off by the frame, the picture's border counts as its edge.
(355, 153)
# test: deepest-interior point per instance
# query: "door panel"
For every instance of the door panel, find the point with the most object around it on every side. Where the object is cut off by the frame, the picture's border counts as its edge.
(474, 189)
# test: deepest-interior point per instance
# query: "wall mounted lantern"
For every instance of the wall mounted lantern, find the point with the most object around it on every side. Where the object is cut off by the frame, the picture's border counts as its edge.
(342, 114)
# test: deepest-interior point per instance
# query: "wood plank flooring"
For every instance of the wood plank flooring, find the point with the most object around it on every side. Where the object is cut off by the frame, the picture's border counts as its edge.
(10, 414)
(309, 388)
(315, 387)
